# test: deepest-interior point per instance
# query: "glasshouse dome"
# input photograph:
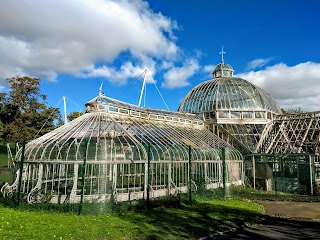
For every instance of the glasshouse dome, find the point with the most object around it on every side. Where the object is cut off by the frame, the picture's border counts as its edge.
(128, 153)
(232, 107)
(227, 93)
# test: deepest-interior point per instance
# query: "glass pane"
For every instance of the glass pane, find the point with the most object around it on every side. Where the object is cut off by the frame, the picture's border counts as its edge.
(223, 114)
(259, 115)
(246, 114)
(235, 115)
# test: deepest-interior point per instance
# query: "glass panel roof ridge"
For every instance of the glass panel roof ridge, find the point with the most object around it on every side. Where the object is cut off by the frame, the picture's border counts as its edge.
(104, 100)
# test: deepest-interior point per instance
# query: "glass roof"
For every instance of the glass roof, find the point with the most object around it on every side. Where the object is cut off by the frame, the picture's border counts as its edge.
(166, 138)
(228, 93)
(130, 125)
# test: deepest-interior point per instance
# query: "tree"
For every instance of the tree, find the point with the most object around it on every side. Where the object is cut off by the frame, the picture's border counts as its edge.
(1, 131)
(292, 110)
(25, 93)
(7, 111)
(73, 115)
(23, 112)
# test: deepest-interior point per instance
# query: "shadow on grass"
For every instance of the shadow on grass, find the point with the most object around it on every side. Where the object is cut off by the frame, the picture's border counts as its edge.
(190, 221)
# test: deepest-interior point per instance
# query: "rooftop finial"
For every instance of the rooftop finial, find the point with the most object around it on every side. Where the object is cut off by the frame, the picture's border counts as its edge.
(100, 90)
(222, 52)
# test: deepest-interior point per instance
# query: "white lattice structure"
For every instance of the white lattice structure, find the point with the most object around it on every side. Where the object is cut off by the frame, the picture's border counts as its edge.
(292, 133)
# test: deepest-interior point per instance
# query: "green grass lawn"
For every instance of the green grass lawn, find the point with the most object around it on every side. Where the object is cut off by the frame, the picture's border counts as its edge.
(4, 153)
(3, 160)
(200, 219)
(5, 174)
(5, 177)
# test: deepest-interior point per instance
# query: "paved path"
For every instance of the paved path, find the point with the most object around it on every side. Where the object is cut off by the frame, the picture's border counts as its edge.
(284, 220)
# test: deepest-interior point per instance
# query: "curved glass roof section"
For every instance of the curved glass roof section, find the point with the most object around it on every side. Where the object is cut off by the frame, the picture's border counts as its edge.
(129, 126)
(226, 92)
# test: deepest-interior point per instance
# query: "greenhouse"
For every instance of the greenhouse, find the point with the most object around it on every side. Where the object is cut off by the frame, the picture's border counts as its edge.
(226, 131)
(127, 153)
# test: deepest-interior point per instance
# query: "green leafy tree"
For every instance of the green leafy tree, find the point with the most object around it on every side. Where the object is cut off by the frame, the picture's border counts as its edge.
(24, 112)
(8, 111)
(73, 115)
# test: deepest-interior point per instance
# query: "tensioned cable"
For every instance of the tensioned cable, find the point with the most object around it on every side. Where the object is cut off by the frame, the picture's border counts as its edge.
(53, 112)
(161, 95)
(145, 90)
(73, 102)
(48, 118)
(131, 84)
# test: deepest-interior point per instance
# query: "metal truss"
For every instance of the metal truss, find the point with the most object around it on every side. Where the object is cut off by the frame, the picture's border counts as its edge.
(292, 133)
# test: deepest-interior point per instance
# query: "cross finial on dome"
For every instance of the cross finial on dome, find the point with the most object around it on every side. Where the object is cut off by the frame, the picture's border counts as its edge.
(222, 52)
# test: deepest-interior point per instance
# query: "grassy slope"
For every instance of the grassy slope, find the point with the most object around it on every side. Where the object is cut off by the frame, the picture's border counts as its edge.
(187, 221)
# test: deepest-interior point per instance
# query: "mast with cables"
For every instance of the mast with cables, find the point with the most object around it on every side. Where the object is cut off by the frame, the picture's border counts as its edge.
(65, 110)
(143, 87)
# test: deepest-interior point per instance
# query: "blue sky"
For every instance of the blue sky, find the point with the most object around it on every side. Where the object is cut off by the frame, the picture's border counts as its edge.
(76, 45)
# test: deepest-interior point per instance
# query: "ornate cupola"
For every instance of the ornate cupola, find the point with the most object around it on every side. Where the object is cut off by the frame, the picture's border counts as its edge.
(223, 70)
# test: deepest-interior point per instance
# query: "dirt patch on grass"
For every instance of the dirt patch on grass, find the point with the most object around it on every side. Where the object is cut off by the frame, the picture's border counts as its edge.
(290, 209)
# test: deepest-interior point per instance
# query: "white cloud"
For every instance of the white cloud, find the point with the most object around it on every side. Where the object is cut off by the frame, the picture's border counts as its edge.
(44, 38)
(177, 77)
(127, 70)
(292, 86)
(209, 68)
(258, 63)
(166, 65)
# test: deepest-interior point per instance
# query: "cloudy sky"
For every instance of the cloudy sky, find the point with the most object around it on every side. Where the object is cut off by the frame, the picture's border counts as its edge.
(76, 45)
